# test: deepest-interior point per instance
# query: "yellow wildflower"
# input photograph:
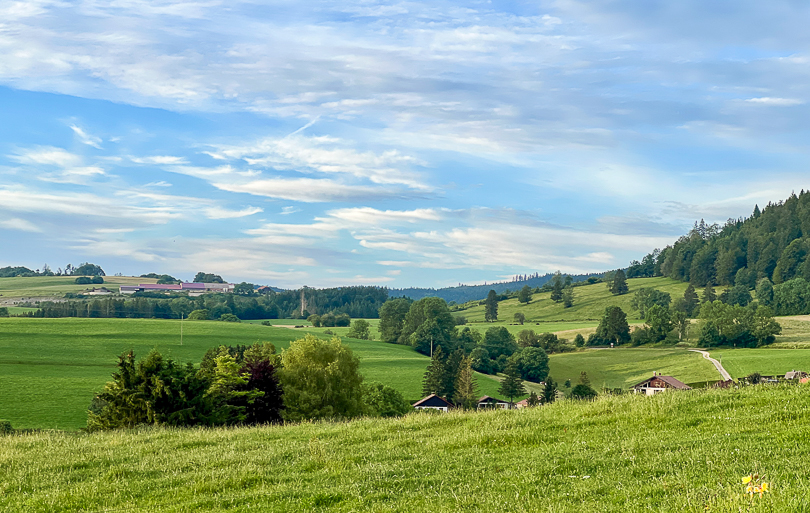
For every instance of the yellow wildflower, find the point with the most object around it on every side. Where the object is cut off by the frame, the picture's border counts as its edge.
(746, 479)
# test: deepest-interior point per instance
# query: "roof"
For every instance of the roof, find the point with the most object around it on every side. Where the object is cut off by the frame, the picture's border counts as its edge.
(795, 374)
(488, 399)
(433, 400)
(669, 380)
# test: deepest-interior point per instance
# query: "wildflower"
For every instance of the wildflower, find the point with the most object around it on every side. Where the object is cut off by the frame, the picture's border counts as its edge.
(746, 479)
(754, 485)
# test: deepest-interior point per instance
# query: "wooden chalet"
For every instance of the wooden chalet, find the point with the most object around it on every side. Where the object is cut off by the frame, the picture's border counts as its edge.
(433, 402)
(659, 383)
(490, 403)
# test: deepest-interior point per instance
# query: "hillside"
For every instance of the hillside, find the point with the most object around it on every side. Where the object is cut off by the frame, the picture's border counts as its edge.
(590, 302)
(464, 293)
(51, 368)
(12, 289)
(684, 452)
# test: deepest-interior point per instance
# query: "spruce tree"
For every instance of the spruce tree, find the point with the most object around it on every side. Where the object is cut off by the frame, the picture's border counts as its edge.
(557, 290)
(434, 380)
(466, 386)
(691, 300)
(491, 307)
(549, 391)
(512, 384)
(709, 296)
(619, 286)
(533, 399)
(568, 297)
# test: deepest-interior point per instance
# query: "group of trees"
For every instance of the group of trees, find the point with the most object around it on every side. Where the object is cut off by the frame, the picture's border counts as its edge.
(87, 280)
(330, 320)
(313, 379)
(85, 269)
(772, 243)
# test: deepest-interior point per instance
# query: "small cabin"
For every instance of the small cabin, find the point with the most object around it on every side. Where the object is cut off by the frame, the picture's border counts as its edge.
(794, 374)
(433, 402)
(490, 403)
(659, 383)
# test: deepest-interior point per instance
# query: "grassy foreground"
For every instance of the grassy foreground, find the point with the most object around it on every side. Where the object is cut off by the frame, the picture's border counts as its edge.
(682, 452)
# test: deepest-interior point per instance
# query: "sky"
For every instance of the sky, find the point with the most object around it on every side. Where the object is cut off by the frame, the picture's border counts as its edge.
(390, 143)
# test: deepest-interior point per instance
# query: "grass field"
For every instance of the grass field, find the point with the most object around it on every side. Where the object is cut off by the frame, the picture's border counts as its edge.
(742, 362)
(590, 302)
(624, 367)
(41, 286)
(51, 368)
(675, 452)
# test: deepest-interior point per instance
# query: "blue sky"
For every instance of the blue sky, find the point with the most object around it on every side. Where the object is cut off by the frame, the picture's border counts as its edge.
(399, 143)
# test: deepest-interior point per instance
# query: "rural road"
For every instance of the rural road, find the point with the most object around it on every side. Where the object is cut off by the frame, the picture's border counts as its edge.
(717, 365)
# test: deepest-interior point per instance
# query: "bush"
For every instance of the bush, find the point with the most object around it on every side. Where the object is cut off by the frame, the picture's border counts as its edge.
(360, 330)
(3, 311)
(384, 401)
(583, 391)
(5, 427)
(267, 323)
(199, 315)
(343, 320)
(229, 318)
(97, 280)
(83, 280)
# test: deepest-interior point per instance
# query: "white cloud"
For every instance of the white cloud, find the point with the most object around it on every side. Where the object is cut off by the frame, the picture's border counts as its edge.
(164, 160)
(289, 210)
(86, 138)
(307, 190)
(49, 156)
(160, 183)
(221, 213)
(779, 102)
(16, 223)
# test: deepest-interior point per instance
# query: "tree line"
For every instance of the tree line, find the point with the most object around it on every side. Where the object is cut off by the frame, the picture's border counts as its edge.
(313, 379)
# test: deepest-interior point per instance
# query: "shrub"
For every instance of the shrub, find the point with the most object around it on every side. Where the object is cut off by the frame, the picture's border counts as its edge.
(3, 311)
(583, 391)
(360, 330)
(199, 315)
(229, 318)
(5, 427)
(97, 280)
(83, 280)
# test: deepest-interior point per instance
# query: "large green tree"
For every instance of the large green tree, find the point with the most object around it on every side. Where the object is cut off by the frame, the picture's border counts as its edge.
(532, 363)
(466, 385)
(427, 324)
(613, 327)
(392, 319)
(619, 286)
(321, 380)
(525, 294)
(512, 384)
(646, 297)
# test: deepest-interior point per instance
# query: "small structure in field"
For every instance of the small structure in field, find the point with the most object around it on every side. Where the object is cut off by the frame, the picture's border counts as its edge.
(433, 402)
(794, 374)
(490, 403)
(101, 291)
(659, 383)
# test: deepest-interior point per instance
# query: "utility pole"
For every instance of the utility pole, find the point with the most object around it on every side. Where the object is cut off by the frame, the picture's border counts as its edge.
(181, 328)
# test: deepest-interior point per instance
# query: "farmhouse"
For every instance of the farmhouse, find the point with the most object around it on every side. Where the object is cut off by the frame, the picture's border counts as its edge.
(101, 291)
(488, 402)
(794, 374)
(433, 402)
(193, 289)
(659, 383)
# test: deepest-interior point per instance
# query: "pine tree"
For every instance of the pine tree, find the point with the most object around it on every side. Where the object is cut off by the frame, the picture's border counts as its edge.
(435, 378)
(568, 297)
(533, 399)
(466, 386)
(491, 307)
(709, 296)
(549, 391)
(557, 289)
(512, 384)
(691, 300)
(619, 286)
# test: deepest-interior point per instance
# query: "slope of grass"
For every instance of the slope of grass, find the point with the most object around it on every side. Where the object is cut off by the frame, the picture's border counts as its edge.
(742, 362)
(42, 286)
(590, 302)
(675, 452)
(51, 368)
(624, 367)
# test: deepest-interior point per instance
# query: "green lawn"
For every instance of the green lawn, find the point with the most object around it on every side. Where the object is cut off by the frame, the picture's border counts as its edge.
(51, 368)
(675, 452)
(41, 286)
(768, 361)
(624, 367)
(589, 303)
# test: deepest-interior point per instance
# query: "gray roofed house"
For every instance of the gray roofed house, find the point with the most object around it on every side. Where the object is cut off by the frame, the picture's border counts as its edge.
(659, 383)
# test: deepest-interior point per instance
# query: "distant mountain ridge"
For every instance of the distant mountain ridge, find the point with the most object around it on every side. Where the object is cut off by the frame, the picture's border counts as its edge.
(464, 293)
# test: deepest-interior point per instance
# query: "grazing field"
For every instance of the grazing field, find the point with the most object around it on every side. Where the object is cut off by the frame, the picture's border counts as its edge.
(44, 286)
(624, 367)
(51, 368)
(590, 302)
(674, 452)
(768, 362)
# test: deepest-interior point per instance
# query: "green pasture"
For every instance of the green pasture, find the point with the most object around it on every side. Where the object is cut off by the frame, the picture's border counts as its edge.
(17, 310)
(624, 367)
(564, 329)
(42, 286)
(768, 361)
(51, 368)
(674, 452)
(590, 302)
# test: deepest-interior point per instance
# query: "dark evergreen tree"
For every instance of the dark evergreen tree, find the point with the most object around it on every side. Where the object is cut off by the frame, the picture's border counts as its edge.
(557, 289)
(613, 327)
(691, 300)
(619, 286)
(549, 391)
(435, 378)
(708, 294)
(525, 294)
(512, 384)
(491, 307)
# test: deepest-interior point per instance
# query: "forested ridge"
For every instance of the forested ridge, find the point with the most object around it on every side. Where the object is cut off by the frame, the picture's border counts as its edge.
(767, 251)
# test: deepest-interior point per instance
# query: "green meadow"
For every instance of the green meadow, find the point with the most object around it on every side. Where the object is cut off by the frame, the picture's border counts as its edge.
(674, 452)
(42, 286)
(51, 368)
(590, 302)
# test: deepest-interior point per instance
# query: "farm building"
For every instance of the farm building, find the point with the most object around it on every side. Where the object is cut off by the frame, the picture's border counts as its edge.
(488, 402)
(794, 374)
(433, 402)
(659, 383)
(193, 289)
(101, 291)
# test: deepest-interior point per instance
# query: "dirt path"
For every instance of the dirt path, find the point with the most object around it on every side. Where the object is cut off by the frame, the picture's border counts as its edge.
(717, 365)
